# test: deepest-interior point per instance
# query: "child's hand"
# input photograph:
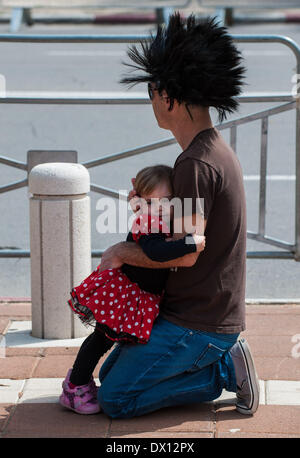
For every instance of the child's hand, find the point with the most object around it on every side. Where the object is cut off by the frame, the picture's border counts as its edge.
(199, 241)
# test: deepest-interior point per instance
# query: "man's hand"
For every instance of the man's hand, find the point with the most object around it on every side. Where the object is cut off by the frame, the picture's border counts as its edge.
(110, 259)
(133, 199)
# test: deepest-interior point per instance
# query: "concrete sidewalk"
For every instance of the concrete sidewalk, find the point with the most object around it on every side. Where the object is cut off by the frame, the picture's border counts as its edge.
(31, 372)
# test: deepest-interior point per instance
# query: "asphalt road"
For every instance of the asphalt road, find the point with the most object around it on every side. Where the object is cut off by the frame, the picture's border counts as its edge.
(95, 131)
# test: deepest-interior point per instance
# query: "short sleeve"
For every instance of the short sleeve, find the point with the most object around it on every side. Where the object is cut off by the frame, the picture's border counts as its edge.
(195, 184)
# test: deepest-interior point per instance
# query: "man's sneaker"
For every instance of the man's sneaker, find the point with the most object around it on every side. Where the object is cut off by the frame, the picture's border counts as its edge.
(81, 399)
(246, 378)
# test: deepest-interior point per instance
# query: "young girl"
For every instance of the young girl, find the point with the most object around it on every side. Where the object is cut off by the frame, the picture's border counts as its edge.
(123, 303)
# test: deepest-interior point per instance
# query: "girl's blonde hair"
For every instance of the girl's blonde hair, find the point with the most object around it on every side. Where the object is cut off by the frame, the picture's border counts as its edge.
(148, 178)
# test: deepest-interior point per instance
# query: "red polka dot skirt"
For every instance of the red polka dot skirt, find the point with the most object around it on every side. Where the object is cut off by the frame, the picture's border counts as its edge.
(119, 307)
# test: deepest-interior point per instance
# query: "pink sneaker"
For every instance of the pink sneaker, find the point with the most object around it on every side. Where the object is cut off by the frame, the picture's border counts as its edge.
(81, 399)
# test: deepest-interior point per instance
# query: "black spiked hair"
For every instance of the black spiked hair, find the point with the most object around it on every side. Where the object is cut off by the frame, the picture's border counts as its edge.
(194, 61)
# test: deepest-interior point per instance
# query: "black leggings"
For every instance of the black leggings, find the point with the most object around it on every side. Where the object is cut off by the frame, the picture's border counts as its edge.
(91, 350)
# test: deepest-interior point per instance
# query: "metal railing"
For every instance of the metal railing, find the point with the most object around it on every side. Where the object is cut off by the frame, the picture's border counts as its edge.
(21, 9)
(292, 101)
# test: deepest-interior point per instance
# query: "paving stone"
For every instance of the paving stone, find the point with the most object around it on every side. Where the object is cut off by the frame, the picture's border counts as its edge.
(53, 366)
(238, 435)
(167, 435)
(283, 392)
(39, 390)
(279, 346)
(21, 351)
(272, 324)
(191, 418)
(5, 411)
(10, 390)
(52, 420)
(267, 419)
(4, 323)
(16, 310)
(273, 309)
(277, 368)
(17, 367)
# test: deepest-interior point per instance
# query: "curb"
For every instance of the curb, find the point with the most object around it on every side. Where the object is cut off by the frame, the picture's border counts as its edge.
(14, 299)
(248, 301)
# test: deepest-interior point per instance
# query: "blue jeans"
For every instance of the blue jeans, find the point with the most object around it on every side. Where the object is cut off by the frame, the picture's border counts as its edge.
(177, 366)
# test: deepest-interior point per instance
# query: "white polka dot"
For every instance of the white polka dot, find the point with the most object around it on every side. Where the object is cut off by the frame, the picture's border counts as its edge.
(97, 284)
(111, 312)
(110, 273)
(85, 284)
(112, 317)
(111, 294)
(103, 302)
(95, 294)
(81, 295)
(147, 332)
(96, 310)
(111, 303)
(112, 286)
(131, 308)
(115, 329)
(151, 299)
(133, 292)
(136, 323)
(104, 293)
(149, 321)
(150, 309)
(128, 303)
(103, 321)
(96, 301)
(129, 326)
(102, 312)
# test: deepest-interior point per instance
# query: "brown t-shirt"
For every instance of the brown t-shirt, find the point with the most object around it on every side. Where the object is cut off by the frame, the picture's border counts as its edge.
(210, 296)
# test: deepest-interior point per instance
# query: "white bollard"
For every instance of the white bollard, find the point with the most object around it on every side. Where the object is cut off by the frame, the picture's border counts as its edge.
(60, 246)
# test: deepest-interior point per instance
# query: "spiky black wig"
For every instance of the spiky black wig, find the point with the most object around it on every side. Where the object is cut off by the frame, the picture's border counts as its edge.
(194, 61)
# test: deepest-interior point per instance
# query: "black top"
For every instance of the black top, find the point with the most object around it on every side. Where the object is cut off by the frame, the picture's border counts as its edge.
(157, 249)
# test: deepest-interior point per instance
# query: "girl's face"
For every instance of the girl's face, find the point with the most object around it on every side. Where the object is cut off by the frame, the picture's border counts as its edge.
(157, 202)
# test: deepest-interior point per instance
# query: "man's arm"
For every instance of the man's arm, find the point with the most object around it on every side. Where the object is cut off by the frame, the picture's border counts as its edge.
(131, 253)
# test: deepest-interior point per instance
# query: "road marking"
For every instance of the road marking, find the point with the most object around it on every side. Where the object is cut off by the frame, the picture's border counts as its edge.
(270, 177)
(118, 53)
(79, 53)
(253, 52)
